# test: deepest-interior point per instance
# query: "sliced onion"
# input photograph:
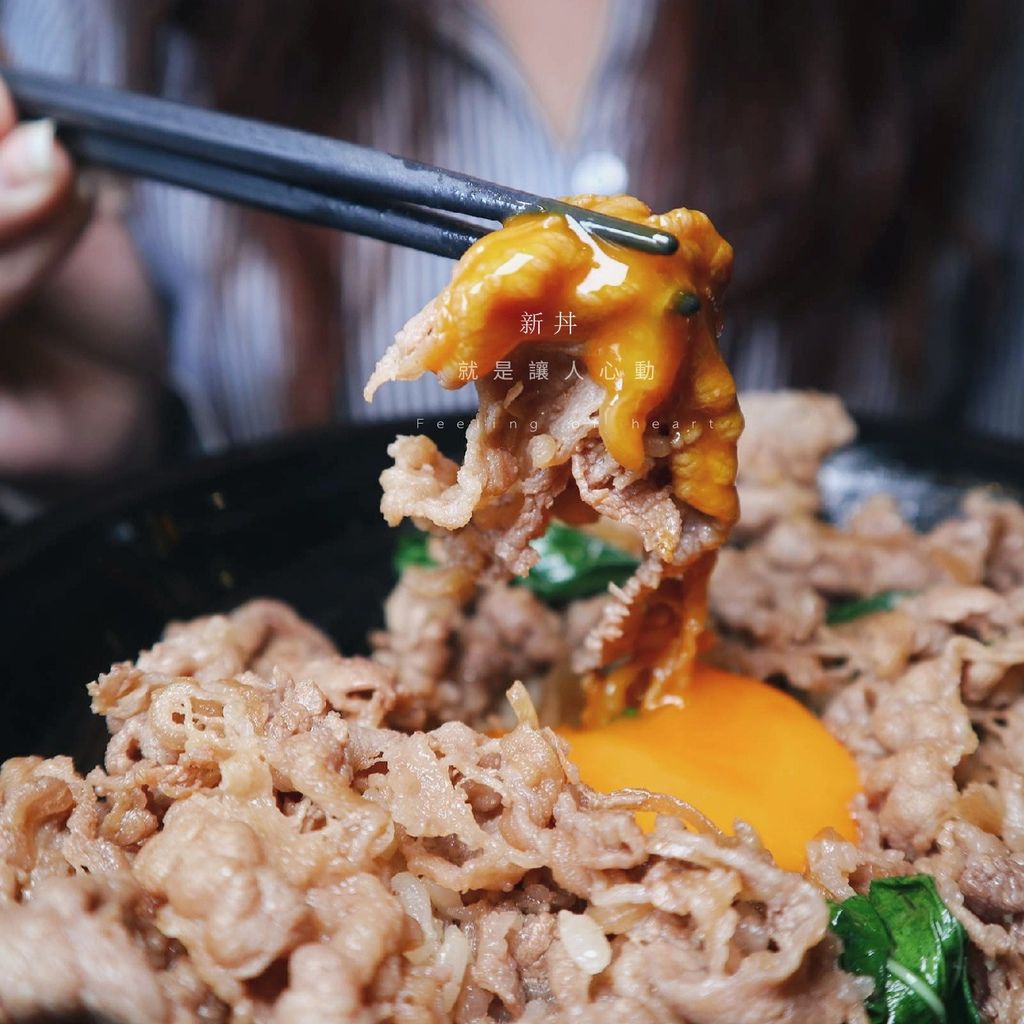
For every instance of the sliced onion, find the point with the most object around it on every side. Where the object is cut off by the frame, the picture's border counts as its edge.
(448, 901)
(415, 900)
(584, 941)
(522, 705)
(616, 918)
(453, 954)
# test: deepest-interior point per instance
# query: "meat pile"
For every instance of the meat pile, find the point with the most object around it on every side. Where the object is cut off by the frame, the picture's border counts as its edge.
(279, 832)
(656, 454)
(261, 844)
(928, 696)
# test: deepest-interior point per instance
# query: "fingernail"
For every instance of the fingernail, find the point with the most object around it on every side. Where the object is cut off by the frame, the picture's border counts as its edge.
(28, 153)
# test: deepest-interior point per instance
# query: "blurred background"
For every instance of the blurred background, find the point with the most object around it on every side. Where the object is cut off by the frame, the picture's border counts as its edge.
(866, 161)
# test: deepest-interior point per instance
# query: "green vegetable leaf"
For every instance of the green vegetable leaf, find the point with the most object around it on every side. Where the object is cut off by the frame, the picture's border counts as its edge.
(411, 549)
(885, 601)
(572, 563)
(903, 937)
(575, 564)
(866, 946)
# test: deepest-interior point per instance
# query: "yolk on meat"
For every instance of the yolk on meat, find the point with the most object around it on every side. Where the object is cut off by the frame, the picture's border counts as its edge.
(644, 326)
(734, 747)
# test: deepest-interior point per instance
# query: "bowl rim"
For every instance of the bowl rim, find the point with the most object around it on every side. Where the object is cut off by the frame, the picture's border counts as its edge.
(924, 447)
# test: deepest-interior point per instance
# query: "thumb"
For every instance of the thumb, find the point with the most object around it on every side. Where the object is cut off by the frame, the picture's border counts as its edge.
(35, 174)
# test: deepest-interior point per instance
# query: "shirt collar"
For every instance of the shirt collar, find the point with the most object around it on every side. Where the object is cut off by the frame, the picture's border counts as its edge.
(468, 30)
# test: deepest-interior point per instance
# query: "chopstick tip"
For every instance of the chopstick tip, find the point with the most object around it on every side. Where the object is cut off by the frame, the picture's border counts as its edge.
(664, 243)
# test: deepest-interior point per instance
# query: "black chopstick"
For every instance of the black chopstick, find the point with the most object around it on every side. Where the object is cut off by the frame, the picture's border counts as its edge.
(411, 227)
(295, 158)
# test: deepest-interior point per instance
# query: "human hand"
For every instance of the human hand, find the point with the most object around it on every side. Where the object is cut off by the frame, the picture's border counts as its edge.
(81, 339)
(41, 211)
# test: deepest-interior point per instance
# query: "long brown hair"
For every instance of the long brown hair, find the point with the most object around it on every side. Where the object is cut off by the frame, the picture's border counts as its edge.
(827, 142)
(824, 139)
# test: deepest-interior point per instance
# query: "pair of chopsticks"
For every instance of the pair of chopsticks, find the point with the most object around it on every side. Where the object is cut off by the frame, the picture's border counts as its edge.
(297, 174)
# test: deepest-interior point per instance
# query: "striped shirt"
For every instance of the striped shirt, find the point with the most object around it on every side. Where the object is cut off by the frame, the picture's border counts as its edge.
(229, 338)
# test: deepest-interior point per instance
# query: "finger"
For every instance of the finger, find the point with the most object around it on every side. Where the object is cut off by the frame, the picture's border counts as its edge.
(35, 176)
(8, 115)
(24, 264)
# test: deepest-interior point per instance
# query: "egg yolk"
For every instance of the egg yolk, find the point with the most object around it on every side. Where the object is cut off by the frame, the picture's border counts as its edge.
(733, 747)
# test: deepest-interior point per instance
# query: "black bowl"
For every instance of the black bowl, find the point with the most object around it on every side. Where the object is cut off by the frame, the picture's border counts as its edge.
(299, 520)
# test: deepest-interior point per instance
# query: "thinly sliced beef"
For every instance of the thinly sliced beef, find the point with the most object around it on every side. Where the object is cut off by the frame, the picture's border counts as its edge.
(929, 696)
(291, 857)
(778, 465)
(563, 444)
